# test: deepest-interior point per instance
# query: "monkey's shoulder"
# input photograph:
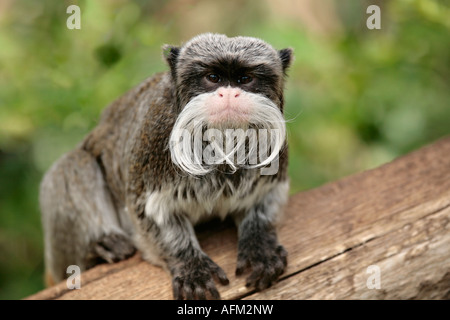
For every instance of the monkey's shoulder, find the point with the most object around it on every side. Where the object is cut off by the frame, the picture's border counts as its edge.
(151, 94)
(144, 105)
(147, 155)
(129, 139)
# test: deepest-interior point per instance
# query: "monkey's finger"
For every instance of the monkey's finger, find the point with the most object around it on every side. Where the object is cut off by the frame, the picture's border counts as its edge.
(217, 272)
(212, 290)
(242, 266)
(188, 290)
(177, 288)
(102, 252)
(264, 281)
(251, 281)
(279, 268)
(282, 253)
(200, 293)
(220, 275)
(256, 274)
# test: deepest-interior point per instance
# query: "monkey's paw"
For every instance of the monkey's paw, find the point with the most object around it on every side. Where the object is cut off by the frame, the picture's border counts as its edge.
(112, 247)
(265, 258)
(193, 278)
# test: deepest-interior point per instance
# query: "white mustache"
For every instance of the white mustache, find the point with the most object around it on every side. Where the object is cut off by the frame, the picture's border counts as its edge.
(265, 130)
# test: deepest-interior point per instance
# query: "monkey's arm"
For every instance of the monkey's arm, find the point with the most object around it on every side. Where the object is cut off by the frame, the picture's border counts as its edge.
(164, 235)
(258, 246)
(168, 238)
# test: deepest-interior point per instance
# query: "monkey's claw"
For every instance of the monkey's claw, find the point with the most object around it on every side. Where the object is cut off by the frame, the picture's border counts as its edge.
(266, 262)
(193, 278)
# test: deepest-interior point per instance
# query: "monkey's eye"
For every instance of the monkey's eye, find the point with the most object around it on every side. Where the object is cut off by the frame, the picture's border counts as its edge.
(244, 79)
(214, 78)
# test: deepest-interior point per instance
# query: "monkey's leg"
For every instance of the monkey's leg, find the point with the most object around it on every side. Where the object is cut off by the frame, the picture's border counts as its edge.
(258, 246)
(80, 222)
(171, 240)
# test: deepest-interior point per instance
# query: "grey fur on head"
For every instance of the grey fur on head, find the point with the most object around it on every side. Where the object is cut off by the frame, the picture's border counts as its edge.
(210, 48)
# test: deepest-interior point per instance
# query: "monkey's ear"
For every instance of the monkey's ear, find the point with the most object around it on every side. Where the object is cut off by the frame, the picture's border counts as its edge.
(171, 55)
(286, 56)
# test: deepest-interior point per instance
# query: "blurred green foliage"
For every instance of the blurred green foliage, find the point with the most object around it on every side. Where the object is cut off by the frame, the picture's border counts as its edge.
(355, 98)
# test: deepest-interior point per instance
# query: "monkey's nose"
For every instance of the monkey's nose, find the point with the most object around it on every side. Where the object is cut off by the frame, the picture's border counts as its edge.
(228, 92)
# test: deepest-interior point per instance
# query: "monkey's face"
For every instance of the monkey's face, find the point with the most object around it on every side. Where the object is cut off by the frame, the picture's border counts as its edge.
(228, 84)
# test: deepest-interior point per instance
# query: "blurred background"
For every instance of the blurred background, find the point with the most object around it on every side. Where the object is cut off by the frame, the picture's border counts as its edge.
(355, 98)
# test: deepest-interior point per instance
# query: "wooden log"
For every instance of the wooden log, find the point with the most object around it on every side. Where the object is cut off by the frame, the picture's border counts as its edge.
(395, 217)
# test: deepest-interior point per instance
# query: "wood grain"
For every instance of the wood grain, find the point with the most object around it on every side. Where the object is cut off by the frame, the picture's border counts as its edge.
(395, 216)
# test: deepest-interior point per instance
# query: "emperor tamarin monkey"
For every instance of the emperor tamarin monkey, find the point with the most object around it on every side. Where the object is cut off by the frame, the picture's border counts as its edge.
(127, 186)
